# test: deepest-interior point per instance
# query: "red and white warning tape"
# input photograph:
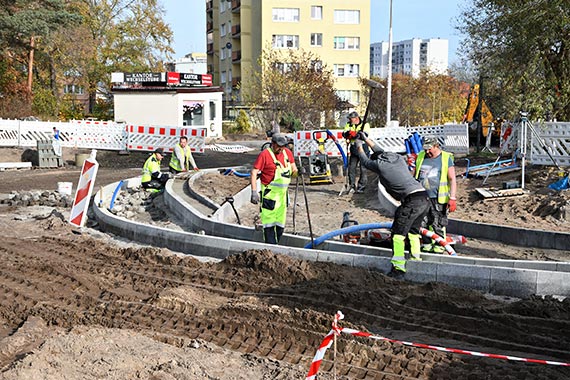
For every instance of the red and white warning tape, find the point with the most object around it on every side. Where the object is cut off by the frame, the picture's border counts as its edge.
(327, 341)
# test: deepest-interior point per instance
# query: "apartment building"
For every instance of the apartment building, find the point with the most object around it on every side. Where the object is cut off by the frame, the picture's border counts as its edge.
(196, 63)
(336, 30)
(409, 57)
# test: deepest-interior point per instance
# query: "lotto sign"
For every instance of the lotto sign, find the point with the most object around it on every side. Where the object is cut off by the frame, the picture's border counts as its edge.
(83, 193)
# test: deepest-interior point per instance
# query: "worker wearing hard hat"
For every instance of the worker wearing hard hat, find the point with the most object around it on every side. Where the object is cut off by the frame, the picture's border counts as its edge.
(152, 179)
(394, 175)
(435, 170)
(181, 158)
(275, 167)
(351, 128)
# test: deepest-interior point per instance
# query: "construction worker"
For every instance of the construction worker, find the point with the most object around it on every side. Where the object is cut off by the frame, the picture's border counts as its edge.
(152, 179)
(181, 158)
(435, 171)
(275, 166)
(351, 129)
(394, 175)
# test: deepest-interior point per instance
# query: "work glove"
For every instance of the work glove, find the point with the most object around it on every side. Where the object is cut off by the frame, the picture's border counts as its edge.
(196, 169)
(411, 159)
(362, 135)
(254, 197)
(358, 143)
(352, 135)
(452, 204)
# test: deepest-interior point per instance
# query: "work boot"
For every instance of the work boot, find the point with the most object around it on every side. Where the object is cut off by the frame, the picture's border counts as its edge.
(396, 274)
(351, 191)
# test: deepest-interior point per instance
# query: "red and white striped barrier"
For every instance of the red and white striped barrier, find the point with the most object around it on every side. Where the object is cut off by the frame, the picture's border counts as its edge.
(327, 341)
(150, 137)
(83, 192)
(439, 240)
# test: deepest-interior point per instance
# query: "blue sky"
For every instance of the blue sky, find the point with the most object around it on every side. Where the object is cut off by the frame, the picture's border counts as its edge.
(411, 18)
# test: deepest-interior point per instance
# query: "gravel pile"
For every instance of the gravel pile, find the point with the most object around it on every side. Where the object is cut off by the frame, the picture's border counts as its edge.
(37, 198)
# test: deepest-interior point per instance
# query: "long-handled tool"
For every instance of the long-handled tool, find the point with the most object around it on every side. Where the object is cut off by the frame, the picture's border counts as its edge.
(373, 85)
(306, 203)
(230, 200)
(295, 203)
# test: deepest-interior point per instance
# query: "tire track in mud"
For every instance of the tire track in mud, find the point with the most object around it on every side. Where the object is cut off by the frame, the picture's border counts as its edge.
(262, 305)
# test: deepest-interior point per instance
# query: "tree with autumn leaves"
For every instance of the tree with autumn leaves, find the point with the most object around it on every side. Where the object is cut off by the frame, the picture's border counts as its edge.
(429, 99)
(78, 42)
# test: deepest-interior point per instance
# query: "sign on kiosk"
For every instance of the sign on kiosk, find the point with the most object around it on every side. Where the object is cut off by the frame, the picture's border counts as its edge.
(189, 79)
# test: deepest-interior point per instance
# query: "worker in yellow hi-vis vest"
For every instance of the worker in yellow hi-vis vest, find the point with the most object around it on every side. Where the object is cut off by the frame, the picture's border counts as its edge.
(436, 172)
(275, 167)
(181, 159)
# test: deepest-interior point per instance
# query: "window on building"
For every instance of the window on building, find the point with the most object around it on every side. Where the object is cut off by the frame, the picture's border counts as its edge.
(223, 53)
(223, 77)
(347, 43)
(223, 30)
(284, 67)
(223, 6)
(346, 70)
(316, 12)
(317, 66)
(283, 41)
(345, 16)
(316, 39)
(286, 14)
(73, 89)
(350, 96)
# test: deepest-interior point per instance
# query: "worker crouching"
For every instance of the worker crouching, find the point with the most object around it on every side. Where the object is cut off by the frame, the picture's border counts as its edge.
(152, 179)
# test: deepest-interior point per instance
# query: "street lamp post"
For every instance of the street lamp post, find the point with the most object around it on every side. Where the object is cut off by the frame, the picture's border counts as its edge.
(389, 90)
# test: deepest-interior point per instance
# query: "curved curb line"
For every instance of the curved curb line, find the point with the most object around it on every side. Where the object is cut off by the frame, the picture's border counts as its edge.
(515, 282)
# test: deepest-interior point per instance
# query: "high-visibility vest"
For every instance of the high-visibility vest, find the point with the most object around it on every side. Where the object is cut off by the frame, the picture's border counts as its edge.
(274, 195)
(151, 165)
(175, 163)
(357, 128)
(443, 188)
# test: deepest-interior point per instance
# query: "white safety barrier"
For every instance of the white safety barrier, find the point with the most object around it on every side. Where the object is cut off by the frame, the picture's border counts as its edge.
(104, 135)
(454, 138)
(546, 142)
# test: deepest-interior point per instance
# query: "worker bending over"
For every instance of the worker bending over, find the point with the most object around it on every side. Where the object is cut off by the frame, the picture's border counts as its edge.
(394, 175)
(181, 158)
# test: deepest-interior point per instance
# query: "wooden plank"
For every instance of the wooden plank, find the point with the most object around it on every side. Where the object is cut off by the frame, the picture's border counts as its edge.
(490, 193)
(15, 165)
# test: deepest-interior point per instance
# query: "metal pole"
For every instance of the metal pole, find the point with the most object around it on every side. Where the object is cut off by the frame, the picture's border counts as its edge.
(389, 90)
(523, 145)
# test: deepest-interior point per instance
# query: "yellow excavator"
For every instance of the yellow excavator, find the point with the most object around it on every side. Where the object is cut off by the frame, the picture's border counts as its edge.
(487, 120)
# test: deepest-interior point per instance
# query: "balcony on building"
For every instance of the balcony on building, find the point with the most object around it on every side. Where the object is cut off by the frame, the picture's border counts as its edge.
(236, 56)
(209, 5)
(210, 48)
(236, 81)
(236, 30)
(236, 4)
(209, 27)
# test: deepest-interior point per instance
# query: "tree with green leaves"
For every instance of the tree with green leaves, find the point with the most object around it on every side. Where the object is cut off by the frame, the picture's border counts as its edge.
(25, 27)
(292, 87)
(118, 35)
(521, 50)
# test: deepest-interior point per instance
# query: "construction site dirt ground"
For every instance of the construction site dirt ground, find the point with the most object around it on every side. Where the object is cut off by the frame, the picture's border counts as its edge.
(81, 304)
